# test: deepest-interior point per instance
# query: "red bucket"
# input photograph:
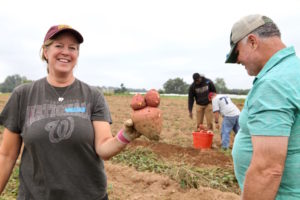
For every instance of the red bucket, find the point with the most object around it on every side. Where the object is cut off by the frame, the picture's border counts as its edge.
(202, 139)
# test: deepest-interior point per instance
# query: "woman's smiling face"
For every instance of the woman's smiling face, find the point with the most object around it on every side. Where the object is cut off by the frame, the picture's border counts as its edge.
(62, 54)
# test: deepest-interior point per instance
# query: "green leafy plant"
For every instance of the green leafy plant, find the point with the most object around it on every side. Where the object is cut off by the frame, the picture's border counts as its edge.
(143, 159)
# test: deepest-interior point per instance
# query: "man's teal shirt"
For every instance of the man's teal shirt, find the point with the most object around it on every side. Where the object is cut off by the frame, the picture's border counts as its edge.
(272, 108)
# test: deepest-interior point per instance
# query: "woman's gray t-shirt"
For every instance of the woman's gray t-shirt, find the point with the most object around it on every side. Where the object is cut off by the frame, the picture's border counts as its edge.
(59, 159)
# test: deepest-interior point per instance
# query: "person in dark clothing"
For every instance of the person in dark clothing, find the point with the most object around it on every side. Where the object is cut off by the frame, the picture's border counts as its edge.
(199, 91)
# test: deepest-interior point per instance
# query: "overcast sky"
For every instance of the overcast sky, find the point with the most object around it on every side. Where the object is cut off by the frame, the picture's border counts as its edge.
(139, 43)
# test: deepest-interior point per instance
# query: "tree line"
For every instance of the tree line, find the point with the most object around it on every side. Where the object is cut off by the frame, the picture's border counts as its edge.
(11, 82)
(178, 86)
(171, 86)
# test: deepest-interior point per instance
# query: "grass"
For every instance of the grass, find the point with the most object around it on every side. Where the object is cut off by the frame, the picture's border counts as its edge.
(143, 159)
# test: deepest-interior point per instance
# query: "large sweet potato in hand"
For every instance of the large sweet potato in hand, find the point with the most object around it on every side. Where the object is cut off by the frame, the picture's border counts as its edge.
(138, 102)
(148, 121)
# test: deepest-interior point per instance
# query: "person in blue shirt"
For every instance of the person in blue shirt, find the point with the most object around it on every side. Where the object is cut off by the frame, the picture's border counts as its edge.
(266, 150)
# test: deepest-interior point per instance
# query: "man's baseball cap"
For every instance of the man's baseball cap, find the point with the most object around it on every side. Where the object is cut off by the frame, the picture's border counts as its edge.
(196, 76)
(54, 30)
(241, 29)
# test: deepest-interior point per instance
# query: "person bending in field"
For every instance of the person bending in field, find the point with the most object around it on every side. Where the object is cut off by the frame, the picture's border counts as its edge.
(198, 91)
(222, 105)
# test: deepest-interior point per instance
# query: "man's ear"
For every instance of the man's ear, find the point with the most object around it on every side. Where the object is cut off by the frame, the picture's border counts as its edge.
(253, 41)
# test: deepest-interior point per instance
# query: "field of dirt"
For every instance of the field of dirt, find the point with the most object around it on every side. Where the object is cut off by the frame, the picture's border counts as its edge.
(175, 146)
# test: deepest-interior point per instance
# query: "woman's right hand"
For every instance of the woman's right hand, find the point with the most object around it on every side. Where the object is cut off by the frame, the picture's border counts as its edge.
(9, 152)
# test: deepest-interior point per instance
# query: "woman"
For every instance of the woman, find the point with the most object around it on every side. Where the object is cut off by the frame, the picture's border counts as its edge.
(65, 127)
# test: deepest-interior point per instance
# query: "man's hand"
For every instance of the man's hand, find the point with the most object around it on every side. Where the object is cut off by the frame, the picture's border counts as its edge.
(191, 115)
(217, 126)
(129, 131)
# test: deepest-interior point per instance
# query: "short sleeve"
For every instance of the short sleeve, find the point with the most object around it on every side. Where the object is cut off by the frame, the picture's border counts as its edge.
(100, 109)
(271, 110)
(215, 105)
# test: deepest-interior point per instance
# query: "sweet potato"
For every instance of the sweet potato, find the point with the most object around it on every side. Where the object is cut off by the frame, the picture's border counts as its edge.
(148, 121)
(152, 98)
(202, 127)
(138, 102)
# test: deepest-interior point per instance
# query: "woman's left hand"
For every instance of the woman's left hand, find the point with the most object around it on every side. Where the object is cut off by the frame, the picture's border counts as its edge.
(129, 131)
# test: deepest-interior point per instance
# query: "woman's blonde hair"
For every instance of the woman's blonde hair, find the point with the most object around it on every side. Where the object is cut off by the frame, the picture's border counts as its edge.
(46, 44)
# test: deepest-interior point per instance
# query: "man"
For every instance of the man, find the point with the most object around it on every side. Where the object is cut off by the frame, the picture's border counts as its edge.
(222, 104)
(199, 91)
(266, 150)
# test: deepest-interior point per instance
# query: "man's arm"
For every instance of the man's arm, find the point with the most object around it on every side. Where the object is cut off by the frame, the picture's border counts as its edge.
(264, 174)
(191, 100)
(216, 115)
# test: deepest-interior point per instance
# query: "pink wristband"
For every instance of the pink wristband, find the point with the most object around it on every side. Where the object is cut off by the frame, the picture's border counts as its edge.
(121, 137)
